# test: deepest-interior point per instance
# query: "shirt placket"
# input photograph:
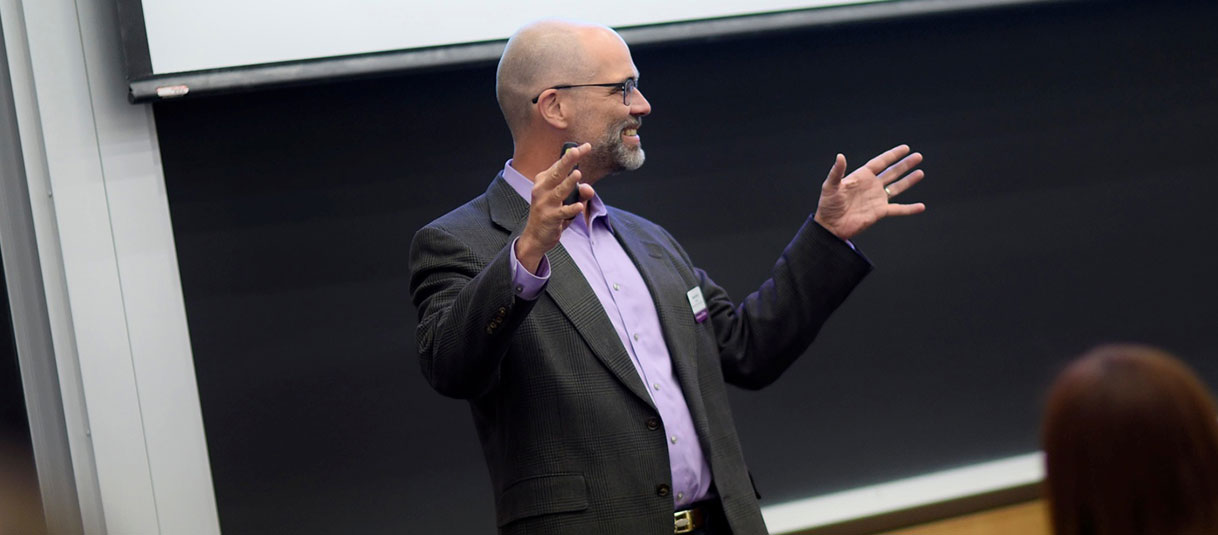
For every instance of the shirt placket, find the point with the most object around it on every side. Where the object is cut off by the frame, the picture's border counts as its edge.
(643, 347)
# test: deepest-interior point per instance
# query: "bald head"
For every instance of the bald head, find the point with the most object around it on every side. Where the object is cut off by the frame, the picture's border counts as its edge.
(540, 55)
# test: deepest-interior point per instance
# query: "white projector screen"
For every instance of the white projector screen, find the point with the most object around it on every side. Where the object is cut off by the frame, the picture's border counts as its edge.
(175, 48)
(194, 36)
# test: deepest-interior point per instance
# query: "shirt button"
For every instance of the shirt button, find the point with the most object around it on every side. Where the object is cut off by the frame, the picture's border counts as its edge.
(653, 423)
(519, 288)
(673, 439)
(680, 495)
(616, 287)
(636, 337)
(656, 386)
(663, 490)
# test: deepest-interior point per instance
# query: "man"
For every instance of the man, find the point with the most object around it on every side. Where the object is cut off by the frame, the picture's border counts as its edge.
(593, 353)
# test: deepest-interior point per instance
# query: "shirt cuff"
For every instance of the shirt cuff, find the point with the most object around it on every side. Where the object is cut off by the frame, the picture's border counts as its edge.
(526, 285)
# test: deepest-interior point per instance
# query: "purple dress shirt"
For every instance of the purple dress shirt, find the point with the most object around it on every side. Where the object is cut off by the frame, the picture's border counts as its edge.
(627, 301)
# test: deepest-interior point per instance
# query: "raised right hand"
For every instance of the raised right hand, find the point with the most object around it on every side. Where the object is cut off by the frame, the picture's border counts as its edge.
(548, 217)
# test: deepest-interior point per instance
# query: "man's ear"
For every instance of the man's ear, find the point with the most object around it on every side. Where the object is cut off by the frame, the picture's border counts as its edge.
(552, 110)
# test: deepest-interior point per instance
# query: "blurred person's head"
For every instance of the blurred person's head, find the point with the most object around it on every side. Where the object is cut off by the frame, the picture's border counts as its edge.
(1131, 446)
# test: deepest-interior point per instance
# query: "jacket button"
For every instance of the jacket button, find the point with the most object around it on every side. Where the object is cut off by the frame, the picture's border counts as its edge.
(663, 490)
(653, 423)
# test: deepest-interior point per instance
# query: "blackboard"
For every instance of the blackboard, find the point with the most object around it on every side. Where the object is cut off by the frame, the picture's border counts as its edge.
(1070, 202)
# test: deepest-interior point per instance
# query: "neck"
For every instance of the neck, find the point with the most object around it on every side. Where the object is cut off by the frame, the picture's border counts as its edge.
(530, 159)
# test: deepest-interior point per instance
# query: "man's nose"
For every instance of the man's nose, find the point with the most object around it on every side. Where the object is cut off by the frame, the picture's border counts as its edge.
(639, 106)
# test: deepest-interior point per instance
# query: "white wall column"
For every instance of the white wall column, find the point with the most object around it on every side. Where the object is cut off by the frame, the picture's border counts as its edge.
(109, 269)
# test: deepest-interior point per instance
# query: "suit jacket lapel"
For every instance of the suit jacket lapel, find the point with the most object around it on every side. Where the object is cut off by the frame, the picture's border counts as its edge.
(507, 209)
(579, 303)
(570, 291)
(676, 318)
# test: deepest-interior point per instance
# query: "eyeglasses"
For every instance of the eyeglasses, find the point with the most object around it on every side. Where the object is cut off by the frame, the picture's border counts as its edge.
(627, 88)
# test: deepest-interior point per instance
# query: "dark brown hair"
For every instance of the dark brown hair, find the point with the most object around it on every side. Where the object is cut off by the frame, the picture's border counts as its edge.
(1131, 446)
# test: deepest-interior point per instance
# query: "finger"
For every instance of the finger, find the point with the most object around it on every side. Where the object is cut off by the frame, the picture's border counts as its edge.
(905, 209)
(894, 172)
(562, 168)
(586, 192)
(837, 171)
(878, 164)
(564, 188)
(895, 188)
(570, 211)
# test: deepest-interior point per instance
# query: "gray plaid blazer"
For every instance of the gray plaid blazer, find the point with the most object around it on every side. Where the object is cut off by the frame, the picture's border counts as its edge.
(569, 432)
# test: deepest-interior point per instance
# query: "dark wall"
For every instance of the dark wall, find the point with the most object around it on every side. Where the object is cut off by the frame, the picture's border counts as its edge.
(1069, 194)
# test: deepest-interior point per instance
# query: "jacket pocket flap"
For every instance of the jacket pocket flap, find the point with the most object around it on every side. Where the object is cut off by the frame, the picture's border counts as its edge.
(540, 495)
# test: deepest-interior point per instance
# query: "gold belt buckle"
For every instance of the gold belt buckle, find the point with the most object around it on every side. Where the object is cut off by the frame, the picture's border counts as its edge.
(683, 521)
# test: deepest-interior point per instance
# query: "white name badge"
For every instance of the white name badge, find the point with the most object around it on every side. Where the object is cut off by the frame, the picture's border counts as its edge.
(697, 304)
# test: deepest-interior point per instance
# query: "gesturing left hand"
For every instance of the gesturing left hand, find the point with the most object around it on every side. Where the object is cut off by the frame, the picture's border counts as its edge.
(851, 204)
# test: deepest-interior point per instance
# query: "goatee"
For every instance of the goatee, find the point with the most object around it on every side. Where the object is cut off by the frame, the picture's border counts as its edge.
(613, 154)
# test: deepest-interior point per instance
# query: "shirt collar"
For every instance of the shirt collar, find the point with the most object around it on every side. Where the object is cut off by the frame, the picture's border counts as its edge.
(524, 187)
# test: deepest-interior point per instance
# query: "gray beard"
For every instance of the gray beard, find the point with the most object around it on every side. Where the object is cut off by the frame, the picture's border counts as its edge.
(613, 155)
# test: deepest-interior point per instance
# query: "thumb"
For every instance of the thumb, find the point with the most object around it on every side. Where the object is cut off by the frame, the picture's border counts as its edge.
(837, 171)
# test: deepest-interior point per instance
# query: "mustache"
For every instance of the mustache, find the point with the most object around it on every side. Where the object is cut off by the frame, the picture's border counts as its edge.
(633, 123)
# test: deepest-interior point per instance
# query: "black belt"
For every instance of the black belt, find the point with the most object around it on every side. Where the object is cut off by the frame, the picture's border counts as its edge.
(702, 518)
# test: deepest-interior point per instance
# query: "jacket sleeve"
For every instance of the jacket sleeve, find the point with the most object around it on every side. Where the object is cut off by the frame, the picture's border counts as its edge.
(468, 312)
(763, 335)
